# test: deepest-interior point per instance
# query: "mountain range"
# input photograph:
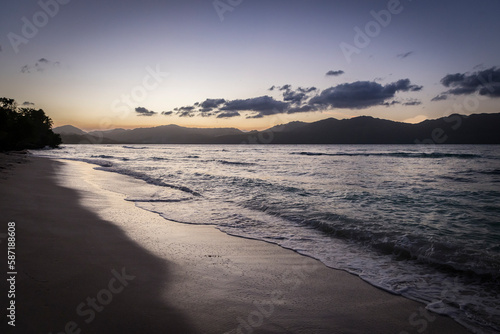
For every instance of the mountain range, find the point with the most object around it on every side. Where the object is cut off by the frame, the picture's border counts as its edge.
(453, 129)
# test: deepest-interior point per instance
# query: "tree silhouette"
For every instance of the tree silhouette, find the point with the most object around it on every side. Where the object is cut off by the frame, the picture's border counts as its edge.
(25, 128)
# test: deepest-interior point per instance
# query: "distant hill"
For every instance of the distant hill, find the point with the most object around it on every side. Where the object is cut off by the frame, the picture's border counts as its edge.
(68, 130)
(454, 129)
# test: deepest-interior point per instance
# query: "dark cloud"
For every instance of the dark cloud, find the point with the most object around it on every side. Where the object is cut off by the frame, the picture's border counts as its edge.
(403, 85)
(297, 96)
(440, 97)
(27, 104)
(272, 88)
(40, 66)
(263, 105)
(167, 113)
(185, 114)
(228, 114)
(334, 73)
(404, 55)
(451, 79)
(361, 94)
(307, 90)
(389, 104)
(212, 103)
(188, 108)
(412, 103)
(293, 97)
(188, 111)
(485, 82)
(144, 112)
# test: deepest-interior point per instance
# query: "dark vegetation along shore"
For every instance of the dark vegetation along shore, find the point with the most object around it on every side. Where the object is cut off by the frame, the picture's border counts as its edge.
(25, 128)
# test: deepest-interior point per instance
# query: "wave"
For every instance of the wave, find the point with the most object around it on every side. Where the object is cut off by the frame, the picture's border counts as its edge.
(149, 200)
(135, 148)
(225, 162)
(458, 179)
(102, 156)
(99, 162)
(440, 255)
(434, 155)
(147, 179)
(491, 172)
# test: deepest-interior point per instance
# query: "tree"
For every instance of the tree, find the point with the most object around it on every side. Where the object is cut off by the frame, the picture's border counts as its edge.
(25, 128)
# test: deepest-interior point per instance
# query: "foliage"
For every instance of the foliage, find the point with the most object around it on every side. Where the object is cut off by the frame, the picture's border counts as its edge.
(25, 128)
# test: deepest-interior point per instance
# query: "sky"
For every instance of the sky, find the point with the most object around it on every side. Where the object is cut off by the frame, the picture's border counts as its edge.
(249, 64)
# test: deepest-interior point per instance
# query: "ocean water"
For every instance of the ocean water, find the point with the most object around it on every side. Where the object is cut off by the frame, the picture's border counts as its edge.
(420, 221)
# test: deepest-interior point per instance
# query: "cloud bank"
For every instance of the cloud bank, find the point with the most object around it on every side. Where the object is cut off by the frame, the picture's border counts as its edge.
(485, 83)
(355, 95)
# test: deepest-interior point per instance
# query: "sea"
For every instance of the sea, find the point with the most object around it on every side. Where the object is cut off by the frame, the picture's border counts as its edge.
(421, 221)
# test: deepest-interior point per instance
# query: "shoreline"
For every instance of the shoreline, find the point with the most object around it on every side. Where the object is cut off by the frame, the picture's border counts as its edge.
(187, 278)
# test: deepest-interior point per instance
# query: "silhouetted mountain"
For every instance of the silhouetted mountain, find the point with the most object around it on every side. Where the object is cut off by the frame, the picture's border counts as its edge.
(454, 129)
(287, 127)
(68, 130)
(166, 134)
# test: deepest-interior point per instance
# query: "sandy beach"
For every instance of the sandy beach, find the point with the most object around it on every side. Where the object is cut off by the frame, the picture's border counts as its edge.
(90, 262)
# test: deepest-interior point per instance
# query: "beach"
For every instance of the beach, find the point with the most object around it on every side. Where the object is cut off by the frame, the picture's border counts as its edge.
(90, 262)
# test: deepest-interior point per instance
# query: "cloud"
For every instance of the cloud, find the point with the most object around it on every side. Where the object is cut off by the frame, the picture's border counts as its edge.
(307, 90)
(264, 105)
(210, 104)
(144, 112)
(228, 114)
(188, 111)
(27, 104)
(41, 65)
(293, 97)
(185, 114)
(403, 85)
(361, 94)
(167, 113)
(389, 104)
(334, 73)
(440, 97)
(412, 103)
(485, 82)
(404, 55)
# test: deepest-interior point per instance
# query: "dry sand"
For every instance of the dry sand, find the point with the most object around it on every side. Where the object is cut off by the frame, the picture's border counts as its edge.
(90, 262)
